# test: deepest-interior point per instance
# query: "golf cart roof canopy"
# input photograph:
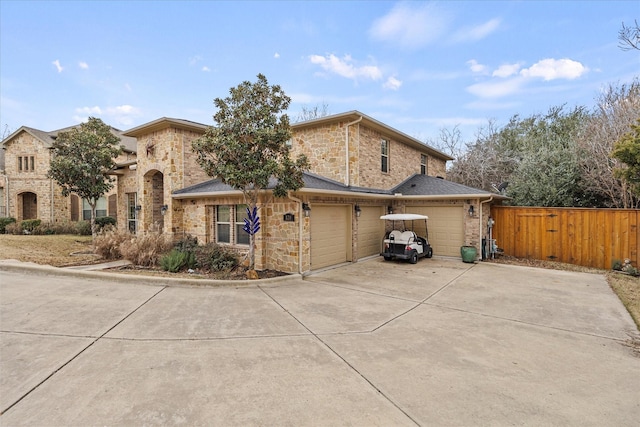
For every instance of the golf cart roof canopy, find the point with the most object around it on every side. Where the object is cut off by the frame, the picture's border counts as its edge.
(403, 217)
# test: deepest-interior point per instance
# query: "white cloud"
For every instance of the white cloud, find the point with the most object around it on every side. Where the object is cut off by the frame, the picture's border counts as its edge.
(57, 65)
(551, 69)
(478, 32)
(276, 55)
(206, 69)
(89, 110)
(476, 67)
(392, 83)
(411, 25)
(194, 60)
(496, 89)
(83, 65)
(344, 67)
(122, 114)
(506, 70)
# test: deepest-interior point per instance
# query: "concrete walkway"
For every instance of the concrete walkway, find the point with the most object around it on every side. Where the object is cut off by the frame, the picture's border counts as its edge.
(373, 343)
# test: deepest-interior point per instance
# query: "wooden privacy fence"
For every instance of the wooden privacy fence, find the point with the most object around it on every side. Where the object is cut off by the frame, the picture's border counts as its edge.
(588, 237)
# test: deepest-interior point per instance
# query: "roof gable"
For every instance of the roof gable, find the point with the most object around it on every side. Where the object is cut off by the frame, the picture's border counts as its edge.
(376, 125)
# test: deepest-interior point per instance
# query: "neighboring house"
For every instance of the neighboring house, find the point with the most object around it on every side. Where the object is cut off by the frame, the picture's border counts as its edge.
(360, 169)
(25, 190)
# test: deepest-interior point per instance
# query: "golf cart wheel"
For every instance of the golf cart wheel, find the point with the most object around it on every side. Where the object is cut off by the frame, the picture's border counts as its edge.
(387, 258)
(430, 253)
(414, 258)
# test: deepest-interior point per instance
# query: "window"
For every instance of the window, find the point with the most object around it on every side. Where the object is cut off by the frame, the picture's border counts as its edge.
(26, 163)
(101, 209)
(423, 164)
(384, 155)
(223, 234)
(229, 223)
(132, 214)
(242, 237)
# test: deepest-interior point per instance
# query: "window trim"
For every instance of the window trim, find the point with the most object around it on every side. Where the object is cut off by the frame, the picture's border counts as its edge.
(424, 164)
(235, 225)
(384, 155)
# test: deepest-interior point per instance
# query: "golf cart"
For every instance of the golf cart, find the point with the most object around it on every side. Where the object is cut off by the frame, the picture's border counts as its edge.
(402, 242)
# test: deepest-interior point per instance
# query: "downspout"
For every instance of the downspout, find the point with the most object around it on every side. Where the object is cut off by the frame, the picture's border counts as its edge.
(347, 179)
(6, 194)
(300, 219)
(52, 202)
(481, 230)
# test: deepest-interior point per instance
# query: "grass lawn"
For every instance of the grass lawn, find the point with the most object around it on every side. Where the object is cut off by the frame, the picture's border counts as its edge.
(56, 250)
(65, 250)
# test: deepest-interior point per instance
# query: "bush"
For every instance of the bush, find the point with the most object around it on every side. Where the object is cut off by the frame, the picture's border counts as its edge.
(4, 222)
(213, 257)
(83, 228)
(146, 249)
(28, 225)
(107, 243)
(104, 221)
(187, 244)
(177, 260)
(14, 228)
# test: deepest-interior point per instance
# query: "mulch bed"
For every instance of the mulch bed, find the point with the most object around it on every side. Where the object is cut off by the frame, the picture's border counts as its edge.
(239, 273)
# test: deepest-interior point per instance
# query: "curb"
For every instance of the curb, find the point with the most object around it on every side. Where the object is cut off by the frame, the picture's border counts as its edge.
(47, 270)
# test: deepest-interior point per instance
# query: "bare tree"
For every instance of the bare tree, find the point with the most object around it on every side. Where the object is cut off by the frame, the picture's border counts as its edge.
(618, 108)
(629, 37)
(310, 113)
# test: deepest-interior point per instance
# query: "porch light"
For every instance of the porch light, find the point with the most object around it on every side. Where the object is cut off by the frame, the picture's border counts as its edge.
(306, 209)
(389, 210)
(163, 209)
(358, 210)
(471, 210)
(138, 207)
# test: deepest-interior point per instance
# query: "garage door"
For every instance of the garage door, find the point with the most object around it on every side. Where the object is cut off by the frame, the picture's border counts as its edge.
(330, 235)
(446, 228)
(370, 231)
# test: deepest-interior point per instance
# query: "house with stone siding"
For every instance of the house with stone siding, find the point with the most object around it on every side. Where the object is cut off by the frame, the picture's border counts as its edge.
(360, 169)
(25, 190)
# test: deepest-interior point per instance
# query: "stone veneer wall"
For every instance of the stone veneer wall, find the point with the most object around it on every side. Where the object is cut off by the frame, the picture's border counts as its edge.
(169, 152)
(324, 146)
(277, 242)
(404, 161)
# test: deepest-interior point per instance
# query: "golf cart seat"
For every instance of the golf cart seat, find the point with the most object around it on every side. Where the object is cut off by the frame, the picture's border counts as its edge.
(408, 236)
(396, 236)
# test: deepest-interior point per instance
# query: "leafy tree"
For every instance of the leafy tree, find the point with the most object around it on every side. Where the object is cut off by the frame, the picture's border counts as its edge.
(248, 148)
(548, 173)
(81, 159)
(627, 150)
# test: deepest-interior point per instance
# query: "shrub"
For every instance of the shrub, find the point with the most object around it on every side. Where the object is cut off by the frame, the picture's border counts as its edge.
(187, 244)
(28, 225)
(83, 228)
(104, 221)
(4, 222)
(216, 258)
(107, 243)
(145, 249)
(44, 228)
(14, 228)
(177, 260)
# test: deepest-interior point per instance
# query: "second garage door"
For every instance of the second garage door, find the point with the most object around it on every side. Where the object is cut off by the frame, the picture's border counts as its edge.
(330, 235)
(370, 231)
(446, 227)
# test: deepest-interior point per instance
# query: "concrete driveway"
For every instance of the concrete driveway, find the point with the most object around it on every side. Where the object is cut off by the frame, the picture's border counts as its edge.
(373, 343)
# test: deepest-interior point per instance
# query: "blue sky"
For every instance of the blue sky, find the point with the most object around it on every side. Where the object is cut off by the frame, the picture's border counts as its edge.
(416, 66)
